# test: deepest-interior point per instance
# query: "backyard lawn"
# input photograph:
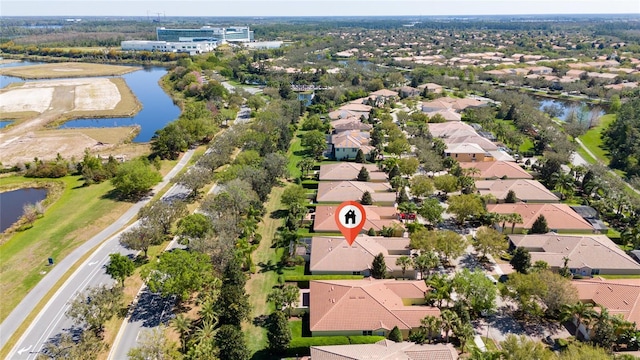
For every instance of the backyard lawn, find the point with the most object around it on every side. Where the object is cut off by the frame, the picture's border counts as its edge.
(593, 141)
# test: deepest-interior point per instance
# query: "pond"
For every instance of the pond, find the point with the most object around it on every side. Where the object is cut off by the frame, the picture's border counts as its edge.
(564, 107)
(12, 203)
(157, 107)
(5, 123)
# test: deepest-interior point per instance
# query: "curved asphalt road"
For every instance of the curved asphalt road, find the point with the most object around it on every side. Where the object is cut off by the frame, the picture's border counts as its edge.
(51, 320)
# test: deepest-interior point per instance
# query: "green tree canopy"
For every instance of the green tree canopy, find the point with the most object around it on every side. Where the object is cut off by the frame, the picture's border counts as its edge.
(120, 267)
(539, 226)
(465, 206)
(378, 267)
(135, 178)
(179, 272)
(278, 332)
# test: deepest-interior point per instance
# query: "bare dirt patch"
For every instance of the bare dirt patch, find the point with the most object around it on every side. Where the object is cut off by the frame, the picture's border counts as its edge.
(56, 101)
(69, 69)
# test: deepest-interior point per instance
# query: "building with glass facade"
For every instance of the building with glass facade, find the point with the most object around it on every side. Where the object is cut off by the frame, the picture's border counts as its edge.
(230, 34)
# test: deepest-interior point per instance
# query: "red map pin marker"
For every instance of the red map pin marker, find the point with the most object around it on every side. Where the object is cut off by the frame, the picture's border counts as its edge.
(350, 217)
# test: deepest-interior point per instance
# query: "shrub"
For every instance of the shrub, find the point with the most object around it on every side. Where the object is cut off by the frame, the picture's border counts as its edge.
(362, 339)
(300, 346)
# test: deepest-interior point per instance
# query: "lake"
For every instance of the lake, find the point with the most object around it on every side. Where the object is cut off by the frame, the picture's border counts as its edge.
(12, 203)
(157, 107)
(566, 106)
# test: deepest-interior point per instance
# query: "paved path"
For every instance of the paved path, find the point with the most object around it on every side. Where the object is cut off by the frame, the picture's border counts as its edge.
(603, 164)
(48, 320)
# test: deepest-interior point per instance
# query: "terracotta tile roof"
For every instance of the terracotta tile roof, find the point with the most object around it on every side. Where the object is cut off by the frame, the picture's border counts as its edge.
(466, 148)
(350, 123)
(333, 254)
(353, 138)
(558, 216)
(497, 169)
(356, 107)
(385, 350)
(342, 114)
(590, 251)
(484, 143)
(451, 128)
(385, 93)
(339, 191)
(620, 297)
(376, 218)
(349, 171)
(447, 114)
(368, 304)
(525, 190)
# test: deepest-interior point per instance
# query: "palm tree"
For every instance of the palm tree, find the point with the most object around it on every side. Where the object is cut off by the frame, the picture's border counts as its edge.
(182, 325)
(442, 288)
(425, 262)
(431, 324)
(449, 320)
(464, 332)
(581, 312)
(404, 262)
(477, 354)
(208, 311)
(514, 218)
(565, 183)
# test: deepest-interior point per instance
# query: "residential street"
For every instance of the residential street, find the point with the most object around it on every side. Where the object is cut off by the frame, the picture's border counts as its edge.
(50, 322)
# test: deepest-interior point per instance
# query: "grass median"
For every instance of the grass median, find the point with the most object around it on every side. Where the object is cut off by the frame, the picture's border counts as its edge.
(78, 214)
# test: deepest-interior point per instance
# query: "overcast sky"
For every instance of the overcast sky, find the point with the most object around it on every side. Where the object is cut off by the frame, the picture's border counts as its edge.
(313, 7)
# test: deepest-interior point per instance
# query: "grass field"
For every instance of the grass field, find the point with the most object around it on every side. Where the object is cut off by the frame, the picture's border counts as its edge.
(593, 141)
(78, 214)
(261, 283)
(70, 69)
(295, 154)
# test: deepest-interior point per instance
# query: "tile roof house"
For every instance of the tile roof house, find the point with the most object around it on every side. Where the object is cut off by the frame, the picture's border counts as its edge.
(385, 350)
(588, 254)
(450, 129)
(339, 191)
(342, 114)
(431, 87)
(467, 152)
(408, 91)
(497, 170)
(345, 145)
(332, 255)
(349, 171)
(560, 217)
(367, 307)
(356, 107)
(385, 93)
(621, 296)
(377, 217)
(484, 143)
(348, 124)
(529, 191)
(447, 114)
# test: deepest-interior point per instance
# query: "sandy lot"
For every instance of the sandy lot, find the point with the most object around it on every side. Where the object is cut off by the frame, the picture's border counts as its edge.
(19, 99)
(68, 69)
(52, 101)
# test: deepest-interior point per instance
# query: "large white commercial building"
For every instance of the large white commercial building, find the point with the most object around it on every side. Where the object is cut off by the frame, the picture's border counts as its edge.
(191, 47)
(229, 34)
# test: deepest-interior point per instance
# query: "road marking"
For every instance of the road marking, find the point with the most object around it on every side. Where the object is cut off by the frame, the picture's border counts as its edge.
(24, 349)
(93, 263)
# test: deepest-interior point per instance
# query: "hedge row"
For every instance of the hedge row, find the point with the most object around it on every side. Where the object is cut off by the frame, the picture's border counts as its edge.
(303, 280)
(300, 346)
